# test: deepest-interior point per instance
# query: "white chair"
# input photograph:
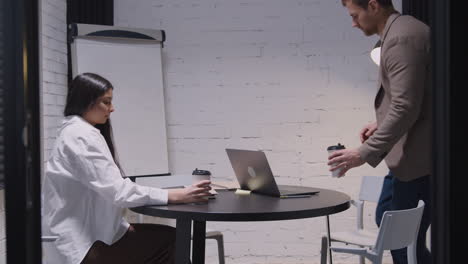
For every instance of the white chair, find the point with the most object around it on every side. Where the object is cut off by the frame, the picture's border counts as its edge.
(181, 180)
(218, 236)
(48, 238)
(371, 187)
(398, 229)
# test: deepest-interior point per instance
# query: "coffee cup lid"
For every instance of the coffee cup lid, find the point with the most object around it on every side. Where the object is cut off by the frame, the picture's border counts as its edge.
(201, 172)
(336, 147)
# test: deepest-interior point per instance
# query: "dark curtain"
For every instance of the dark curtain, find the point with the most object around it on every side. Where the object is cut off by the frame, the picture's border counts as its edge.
(417, 8)
(448, 226)
(447, 181)
(97, 12)
(2, 93)
(449, 56)
(20, 129)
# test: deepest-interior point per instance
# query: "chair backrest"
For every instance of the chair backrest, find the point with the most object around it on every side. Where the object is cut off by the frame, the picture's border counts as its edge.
(399, 228)
(371, 187)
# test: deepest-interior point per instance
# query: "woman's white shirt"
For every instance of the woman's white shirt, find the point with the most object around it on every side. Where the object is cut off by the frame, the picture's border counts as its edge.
(84, 192)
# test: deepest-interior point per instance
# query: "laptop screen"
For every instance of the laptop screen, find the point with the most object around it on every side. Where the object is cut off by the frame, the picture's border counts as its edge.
(254, 173)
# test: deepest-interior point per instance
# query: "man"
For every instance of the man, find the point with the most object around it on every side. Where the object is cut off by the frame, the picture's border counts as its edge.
(402, 133)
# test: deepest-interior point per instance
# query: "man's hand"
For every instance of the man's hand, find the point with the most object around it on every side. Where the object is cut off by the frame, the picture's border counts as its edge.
(367, 131)
(197, 192)
(344, 159)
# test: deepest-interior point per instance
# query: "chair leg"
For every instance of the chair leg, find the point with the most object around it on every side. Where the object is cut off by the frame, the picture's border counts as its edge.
(140, 219)
(362, 260)
(218, 236)
(411, 253)
(324, 250)
(220, 249)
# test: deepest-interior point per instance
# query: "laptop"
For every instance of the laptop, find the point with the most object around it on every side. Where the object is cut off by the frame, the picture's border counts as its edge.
(254, 174)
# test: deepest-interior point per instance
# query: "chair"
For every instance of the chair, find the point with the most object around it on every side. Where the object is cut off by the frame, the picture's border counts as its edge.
(370, 190)
(218, 236)
(398, 229)
(168, 181)
(45, 258)
(48, 238)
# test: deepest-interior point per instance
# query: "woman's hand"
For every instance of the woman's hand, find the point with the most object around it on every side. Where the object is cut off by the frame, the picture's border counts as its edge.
(197, 192)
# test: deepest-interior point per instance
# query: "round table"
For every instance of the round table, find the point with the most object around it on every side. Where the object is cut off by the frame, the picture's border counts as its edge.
(229, 206)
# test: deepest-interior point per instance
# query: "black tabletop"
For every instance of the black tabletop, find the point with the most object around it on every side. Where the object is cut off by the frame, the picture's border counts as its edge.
(229, 206)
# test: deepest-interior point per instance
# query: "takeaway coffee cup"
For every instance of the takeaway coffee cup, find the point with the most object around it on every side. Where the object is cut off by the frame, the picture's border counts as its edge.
(330, 150)
(200, 175)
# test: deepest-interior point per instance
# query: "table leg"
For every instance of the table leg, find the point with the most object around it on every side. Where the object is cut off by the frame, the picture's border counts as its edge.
(199, 238)
(183, 236)
(329, 239)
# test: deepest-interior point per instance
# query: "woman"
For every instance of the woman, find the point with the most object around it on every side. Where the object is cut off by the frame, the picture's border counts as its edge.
(84, 191)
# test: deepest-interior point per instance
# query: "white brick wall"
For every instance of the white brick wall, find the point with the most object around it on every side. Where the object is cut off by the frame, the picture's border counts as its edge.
(54, 69)
(288, 77)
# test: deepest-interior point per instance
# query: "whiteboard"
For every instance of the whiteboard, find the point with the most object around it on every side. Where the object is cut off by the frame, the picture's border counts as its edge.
(134, 68)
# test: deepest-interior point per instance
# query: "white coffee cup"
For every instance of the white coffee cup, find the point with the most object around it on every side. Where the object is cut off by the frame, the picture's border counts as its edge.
(200, 175)
(330, 150)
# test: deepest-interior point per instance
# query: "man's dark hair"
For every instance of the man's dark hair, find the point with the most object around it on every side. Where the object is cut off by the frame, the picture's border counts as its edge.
(365, 3)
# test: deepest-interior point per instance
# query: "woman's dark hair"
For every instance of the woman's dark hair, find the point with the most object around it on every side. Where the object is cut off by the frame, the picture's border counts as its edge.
(365, 3)
(84, 91)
